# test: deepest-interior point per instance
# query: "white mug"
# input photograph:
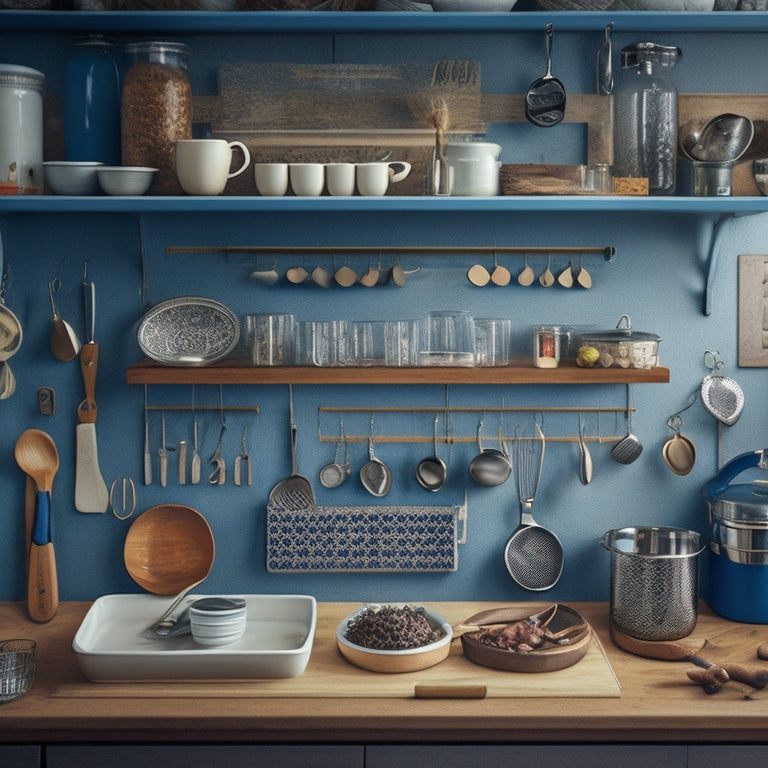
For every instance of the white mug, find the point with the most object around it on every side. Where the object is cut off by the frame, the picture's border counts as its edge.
(373, 179)
(271, 178)
(340, 178)
(307, 179)
(202, 165)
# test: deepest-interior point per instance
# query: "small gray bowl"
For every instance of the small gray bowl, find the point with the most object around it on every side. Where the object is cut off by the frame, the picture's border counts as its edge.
(760, 172)
(69, 177)
(127, 180)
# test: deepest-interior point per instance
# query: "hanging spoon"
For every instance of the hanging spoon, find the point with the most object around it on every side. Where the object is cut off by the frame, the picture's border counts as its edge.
(583, 278)
(585, 465)
(63, 341)
(478, 275)
(345, 276)
(500, 276)
(526, 276)
(565, 278)
(371, 277)
(265, 276)
(547, 278)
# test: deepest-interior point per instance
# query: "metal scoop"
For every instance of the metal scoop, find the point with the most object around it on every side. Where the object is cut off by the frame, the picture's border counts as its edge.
(629, 448)
(545, 98)
(431, 472)
(375, 475)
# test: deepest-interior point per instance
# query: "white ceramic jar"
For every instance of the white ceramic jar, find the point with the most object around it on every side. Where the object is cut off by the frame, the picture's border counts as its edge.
(474, 167)
(21, 130)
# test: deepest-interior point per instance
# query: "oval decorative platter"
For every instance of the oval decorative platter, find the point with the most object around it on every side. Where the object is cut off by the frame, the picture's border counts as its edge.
(189, 330)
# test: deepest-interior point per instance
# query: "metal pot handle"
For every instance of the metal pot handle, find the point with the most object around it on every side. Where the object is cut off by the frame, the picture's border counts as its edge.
(733, 468)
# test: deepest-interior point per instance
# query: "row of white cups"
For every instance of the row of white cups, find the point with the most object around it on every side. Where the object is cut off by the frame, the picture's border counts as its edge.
(203, 167)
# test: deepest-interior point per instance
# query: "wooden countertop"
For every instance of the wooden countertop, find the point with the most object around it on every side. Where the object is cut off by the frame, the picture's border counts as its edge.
(657, 702)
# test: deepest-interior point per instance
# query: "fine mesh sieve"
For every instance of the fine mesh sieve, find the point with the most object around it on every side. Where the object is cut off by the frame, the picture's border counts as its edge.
(654, 581)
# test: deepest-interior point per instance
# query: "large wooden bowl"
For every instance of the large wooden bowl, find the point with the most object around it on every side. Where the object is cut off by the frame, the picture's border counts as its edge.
(545, 659)
(169, 547)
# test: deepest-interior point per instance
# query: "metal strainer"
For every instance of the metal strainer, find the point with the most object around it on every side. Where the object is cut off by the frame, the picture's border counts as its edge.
(533, 554)
(654, 581)
(720, 394)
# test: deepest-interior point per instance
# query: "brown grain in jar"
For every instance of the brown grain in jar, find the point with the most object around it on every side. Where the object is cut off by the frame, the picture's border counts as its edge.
(156, 110)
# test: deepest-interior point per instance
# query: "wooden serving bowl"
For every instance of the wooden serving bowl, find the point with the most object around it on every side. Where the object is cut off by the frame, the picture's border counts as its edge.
(545, 659)
(408, 660)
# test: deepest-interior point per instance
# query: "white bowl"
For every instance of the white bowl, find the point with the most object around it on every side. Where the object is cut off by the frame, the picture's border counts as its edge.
(500, 6)
(406, 660)
(125, 179)
(69, 177)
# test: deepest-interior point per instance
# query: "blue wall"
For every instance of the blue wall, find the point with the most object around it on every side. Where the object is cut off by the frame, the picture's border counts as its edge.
(657, 277)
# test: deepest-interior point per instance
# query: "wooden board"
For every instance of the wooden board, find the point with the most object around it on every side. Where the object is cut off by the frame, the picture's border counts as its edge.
(329, 675)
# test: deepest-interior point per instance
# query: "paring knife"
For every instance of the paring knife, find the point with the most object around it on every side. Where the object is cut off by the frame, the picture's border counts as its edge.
(91, 493)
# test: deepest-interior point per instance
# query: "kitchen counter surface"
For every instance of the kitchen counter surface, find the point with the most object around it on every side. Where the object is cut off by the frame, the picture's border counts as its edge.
(658, 703)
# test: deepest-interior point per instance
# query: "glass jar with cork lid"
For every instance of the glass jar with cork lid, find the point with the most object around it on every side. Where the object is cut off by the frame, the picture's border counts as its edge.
(156, 109)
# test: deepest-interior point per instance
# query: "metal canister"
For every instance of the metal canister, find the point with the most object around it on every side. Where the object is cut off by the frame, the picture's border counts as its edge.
(654, 581)
(156, 110)
(21, 130)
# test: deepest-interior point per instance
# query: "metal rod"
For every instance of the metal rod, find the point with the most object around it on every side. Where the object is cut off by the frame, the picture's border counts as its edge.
(607, 251)
(476, 409)
(254, 408)
(464, 438)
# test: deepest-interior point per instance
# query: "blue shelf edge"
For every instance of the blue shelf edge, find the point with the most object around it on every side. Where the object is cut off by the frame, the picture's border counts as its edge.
(401, 204)
(332, 22)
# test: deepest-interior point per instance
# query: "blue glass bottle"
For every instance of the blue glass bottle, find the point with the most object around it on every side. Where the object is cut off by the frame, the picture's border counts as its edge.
(92, 102)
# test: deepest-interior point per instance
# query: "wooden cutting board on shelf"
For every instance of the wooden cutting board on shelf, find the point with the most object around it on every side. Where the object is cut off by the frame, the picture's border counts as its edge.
(329, 675)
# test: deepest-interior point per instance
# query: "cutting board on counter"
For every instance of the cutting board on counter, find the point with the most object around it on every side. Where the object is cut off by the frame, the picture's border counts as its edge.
(329, 675)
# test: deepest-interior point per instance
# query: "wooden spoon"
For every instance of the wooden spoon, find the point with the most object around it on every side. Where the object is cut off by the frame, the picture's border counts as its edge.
(526, 276)
(36, 454)
(547, 278)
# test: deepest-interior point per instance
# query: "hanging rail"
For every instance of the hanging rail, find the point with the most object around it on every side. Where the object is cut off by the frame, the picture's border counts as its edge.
(451, 439)
(608, 251)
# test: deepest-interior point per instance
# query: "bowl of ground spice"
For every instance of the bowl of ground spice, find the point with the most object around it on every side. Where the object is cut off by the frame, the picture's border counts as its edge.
(394, 638)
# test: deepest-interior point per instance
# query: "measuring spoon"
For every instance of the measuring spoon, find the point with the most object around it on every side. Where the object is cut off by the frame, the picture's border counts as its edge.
(545, 98)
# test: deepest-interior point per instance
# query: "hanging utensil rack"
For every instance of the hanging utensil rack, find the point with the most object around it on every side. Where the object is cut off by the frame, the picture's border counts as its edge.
(607, 251)
(454, 439)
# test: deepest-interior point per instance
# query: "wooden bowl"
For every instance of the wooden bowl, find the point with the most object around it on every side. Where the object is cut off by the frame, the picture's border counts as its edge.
(167, 548)
(408, 660)
(546, 659)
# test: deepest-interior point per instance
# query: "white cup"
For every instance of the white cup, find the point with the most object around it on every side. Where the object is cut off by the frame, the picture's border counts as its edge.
(203, 165)
(307, 179)
(271, 178)
(373, 179)
(340, 178)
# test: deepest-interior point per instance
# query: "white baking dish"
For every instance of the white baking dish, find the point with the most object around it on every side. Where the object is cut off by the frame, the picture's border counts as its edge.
(110, 644)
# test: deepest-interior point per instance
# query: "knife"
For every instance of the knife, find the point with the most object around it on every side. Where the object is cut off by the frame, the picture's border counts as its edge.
(91, 493)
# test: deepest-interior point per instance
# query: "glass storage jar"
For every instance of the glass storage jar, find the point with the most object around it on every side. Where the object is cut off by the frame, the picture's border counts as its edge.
(156, 109)
(21, 130)
(92, 102)
(645, 115)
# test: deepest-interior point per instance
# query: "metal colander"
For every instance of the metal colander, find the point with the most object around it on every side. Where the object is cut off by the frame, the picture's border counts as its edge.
(654, 581)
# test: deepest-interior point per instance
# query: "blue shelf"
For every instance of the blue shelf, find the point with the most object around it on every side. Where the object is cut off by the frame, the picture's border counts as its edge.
(738, 206)
(333, 22)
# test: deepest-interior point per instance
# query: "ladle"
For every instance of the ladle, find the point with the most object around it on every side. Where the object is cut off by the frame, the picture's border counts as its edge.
(169, 550)
(679, 451)
(725, 138)
(375, 475)
(431, 472)
(545, 98)
(490, 467)
(334, 474)
(36, 454)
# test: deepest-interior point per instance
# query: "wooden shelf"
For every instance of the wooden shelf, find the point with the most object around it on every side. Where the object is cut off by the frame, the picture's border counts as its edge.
(240, 372)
